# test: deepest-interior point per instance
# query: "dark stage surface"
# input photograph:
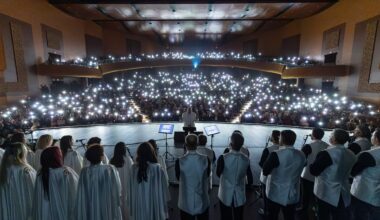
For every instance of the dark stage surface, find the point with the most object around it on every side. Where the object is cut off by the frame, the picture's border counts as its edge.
(255, 138)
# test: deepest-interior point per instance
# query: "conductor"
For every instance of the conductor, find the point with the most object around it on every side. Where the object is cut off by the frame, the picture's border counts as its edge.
(188, 119)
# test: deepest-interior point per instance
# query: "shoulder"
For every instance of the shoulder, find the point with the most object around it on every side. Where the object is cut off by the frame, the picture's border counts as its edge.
(67, 171)
(28, 169)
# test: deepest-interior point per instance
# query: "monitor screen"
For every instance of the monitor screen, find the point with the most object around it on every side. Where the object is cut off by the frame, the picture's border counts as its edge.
(211, 130)
(166, 128)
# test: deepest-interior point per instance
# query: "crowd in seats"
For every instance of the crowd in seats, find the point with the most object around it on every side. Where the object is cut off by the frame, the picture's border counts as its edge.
(54, 181)
(164, 96)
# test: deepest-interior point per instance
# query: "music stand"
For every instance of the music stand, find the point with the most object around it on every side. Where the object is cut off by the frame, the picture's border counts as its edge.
(211, 131)
(166, 129)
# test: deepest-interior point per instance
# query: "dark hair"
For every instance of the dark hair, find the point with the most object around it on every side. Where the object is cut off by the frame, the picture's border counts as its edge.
(276, 135)
(51, 157)
(94, 154)
(153, 143)
(354, 147)
(341, 136)
(288, 137)
(377, 133)
(94, 140)
(18, 137)
(119, 153)
(237, 141)
(202, 139)
(318, 133)
(191, 141)
(65, 144)
(145, 153)
(364, 130)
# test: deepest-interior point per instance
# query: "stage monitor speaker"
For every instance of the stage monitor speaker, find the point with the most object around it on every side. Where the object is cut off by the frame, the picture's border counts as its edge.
(179, 136)
(330, 58)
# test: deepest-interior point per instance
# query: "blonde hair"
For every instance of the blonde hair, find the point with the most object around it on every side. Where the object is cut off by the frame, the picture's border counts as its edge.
(15, 154)
(44, 141)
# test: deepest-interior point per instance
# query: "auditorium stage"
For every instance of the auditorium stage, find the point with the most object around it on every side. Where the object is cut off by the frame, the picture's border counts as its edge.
(255, 138)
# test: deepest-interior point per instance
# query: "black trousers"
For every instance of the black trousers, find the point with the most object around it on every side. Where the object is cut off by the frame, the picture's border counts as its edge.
(231, 212)
(274, 209)
(308, 198)
(363, 211)
(265, 199)
(327, 211)
(187, 216)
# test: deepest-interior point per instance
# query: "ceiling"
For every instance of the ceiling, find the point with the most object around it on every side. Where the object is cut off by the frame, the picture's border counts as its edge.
(173, 23)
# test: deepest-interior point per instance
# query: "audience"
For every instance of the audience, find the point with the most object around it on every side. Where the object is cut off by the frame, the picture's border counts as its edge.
(17, 179)
(148, 192)
(56, 188)
(99, 189)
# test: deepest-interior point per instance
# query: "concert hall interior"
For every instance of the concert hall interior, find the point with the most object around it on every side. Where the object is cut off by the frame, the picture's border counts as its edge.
(190, 109)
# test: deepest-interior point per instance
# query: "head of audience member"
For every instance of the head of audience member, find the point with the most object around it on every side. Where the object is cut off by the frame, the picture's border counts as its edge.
(95, 154)
(317, 134)
(13, 155)
(93, 141)
(66, 144)
(275, 137)
(119, 153)
(202, 140)
(363, 131)
(287, 138)
(154, 145)
(376, 137)
(18, 137)
(237, 141)
(145, 154)
(339, 137)
(51, 158)
(191, 142)
(44, 141)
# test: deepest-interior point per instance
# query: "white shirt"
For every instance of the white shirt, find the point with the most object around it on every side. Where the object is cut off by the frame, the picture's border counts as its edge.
(189, 119)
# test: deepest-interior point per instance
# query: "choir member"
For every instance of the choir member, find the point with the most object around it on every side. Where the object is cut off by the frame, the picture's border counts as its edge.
(202, 149)
(147, 188)
(283, 169)
(71, 158)
(56, 188)
(233, 168)
(161, 160)
(123, 163)
(362, 136)
(1, 154)
(99, 189)
(307, 179)
(17, 180)
(20, 138)
(243, 149)
(331, 169)
(94, 141)
(193, 171)
(365, 189)
(43, 142)
(275, 139)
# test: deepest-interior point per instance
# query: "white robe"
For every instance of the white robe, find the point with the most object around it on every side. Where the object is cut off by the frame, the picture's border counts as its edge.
(37, 160)
(87, 163)
(148, 200)
(125, 173)
(73, 160)
(162, 162)
(1, 155)
(62, 194)
(99, 192)
(16, 195)
(30, 157)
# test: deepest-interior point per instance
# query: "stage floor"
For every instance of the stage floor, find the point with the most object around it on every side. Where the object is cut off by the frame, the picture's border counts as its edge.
(255, 138)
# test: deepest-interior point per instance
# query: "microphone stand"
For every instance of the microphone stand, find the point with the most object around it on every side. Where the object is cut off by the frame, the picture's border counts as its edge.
(305, 139)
